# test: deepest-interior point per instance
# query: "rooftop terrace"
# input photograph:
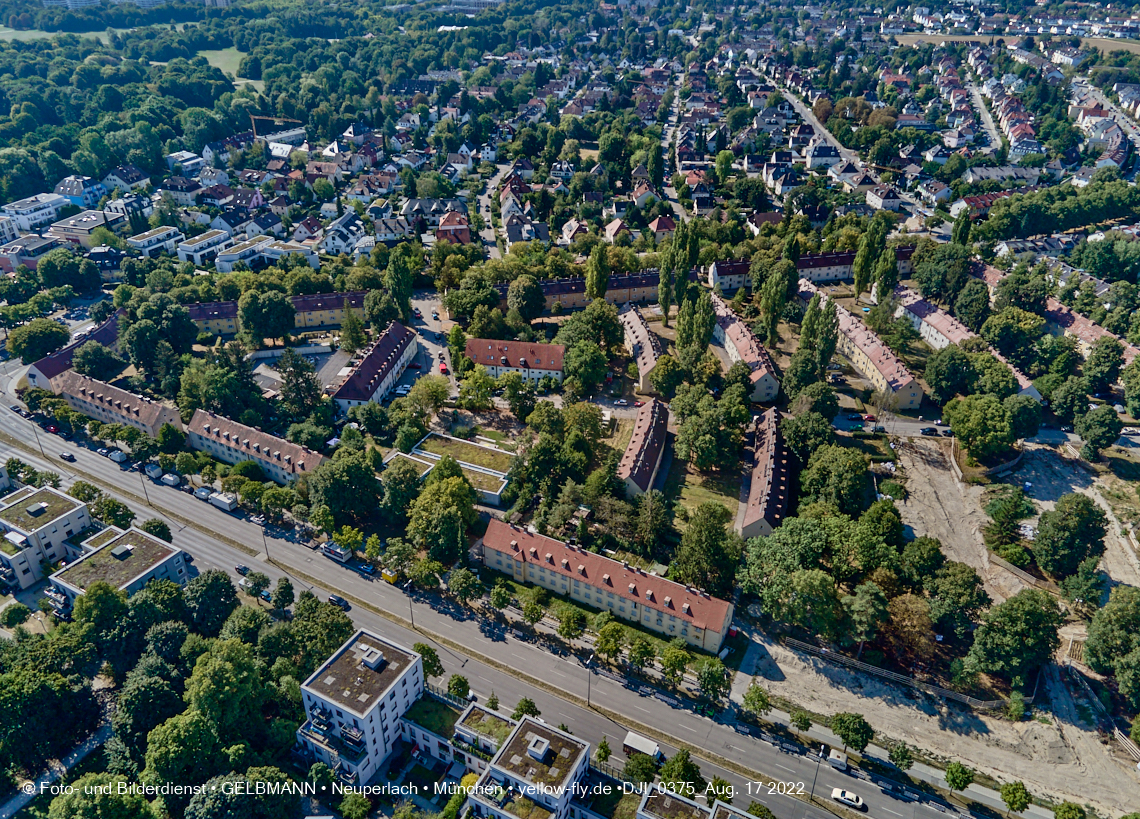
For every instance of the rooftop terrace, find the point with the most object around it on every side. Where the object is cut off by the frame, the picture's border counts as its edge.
(540, 755)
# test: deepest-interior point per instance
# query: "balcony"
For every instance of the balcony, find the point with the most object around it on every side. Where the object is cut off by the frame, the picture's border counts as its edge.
(355, 755)
(352, 737)
(56, 596)
(346, 776)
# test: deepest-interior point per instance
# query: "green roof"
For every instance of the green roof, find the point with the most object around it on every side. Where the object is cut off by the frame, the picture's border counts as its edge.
(18, 514)
(116, 567)
(433, 715)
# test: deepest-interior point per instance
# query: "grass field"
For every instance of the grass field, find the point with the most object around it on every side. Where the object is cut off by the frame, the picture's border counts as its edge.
(1103, 43)
(692, 488)
(468, 453)
(481, 480)
(228, 60)
(10, 34)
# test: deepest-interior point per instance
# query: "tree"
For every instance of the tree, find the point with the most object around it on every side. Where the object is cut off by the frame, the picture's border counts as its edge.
(1024, 415)
(756, 701)
(602, 753)
(682, 775)
(597, 273)
(708, 554)
(640, 653)
(853, 730)
(667, 375)
(36, 339)
(440, 516)
(352, 336)
(98, 796)
(901, 756)
(345, 485)
(14, 614)
(283, 595)
(525, 708)
(972, 306)
(1114, 631)
(258, 582)
(1070, 399)
(1102, 367)
(500, 596)
(713, 679)
(1016, 797)
(981, 423)
(182, 749)
(457, 686)
(910, 631)
(493, 701)
(640, 768)
(674, 661)
(865, 611)
(476, 388)
(211, 597)
(266, 315)
(1069, 533)
(586, 363)
(355, 805)
(525, 295)
(1069, 810)
(113, 512)
(571, 622)
(948, 373)
(800, 719)
(804, 434)
(836, 475)
(610, 640)
(957, 596)
(1016, 636)
(1099, 429)
(961, 232)
(464, 585)
(958, 777)
(159, 528)
(96, 361)
(886, 275)
(430, 659)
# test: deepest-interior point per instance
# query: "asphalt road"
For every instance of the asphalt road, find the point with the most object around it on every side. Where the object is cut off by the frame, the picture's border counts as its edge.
(483, 203)
(280, 553)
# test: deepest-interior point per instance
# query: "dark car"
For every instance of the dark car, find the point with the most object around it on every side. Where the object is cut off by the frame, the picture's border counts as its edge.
(947, 433)
(14, 408)
(266, 596)
(337, 600)
(67, 456)
(879, 428)
(930, 431)
(366, 568)
(243, 570)
(854, 417)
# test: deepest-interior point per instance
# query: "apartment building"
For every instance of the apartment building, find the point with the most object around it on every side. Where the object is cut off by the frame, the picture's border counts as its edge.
(643, 344)
(769, 487)
(354, 702)
(81, 191)
(155, 242)
(248, 253)
(659, 802)
(322, 310)
(26, 251)
(126, 178)
(742, 345)
(281, 461)
(218, 317)
(642, 457)
(530, 360)
(375, 370)
(476, 737)
(33, 212)
(43, 372)
(939, 329)
(660, 605)
(36, 524)
(78, 229)
(870, 356)
(538, 764)
(635, 288)
(204, 248)
(732, 274)
(112, 405)
(126, 560)
(8, 231)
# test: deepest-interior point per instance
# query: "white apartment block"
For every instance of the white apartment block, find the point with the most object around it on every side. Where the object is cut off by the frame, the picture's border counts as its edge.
(35, 211)
(354, 703)
(204, 248)
(36, 525)
(157, 241)
(8, 230)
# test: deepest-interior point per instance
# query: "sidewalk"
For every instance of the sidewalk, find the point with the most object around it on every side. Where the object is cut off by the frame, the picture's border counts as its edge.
(29, 790)
(820, 733)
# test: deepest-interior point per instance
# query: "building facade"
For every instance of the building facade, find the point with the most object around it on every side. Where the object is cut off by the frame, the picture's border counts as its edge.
(155, 242)
(530, 360)
(112, 405)
(37, 523)
(742, 345)
(643, 344)
(660, 605)
(642, 457)
(376, 369)
(769, 490)
(281, 461)
(204, 248)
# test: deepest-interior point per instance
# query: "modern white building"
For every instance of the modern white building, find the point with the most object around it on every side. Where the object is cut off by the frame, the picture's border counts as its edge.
(155, 242)
(354, 703)
(36, 211)
(36, 524)
(204, 248)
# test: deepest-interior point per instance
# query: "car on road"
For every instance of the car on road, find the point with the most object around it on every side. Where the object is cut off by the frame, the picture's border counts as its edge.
(854, 416)
(103, 451)
(242, 569)
(639, 403)
(417, 313)
(52, 428)
(435, 314)
(67, 456)
(14, 408)
(621, 402)
(929, 431)
(879, 428)
(266, 595)
(440, 355)
(337, 600)
(849, 799)
(443, 368)
(415, 365)
(869, 417)
(947, 433)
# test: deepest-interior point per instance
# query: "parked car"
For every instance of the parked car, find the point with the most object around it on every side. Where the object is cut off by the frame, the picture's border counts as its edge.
(879, 428)
(947, 433)
(854, 416)
(621, 402)
(52, 428)
(242, 570)
(266, 595)
(639, 403)
(849, 799)
(443, 368)
(67, 456)
(440, 355)
(103, 451)
(415, 365)
(929, 431)
(366, 568)
(869, 417)
(337, 600)
(14, 408)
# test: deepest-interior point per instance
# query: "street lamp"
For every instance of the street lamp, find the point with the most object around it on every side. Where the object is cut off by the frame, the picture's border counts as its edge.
(411, 609)
(35, 429)
(142, 481)
(589, 678)
(265, 543)
(818, 761)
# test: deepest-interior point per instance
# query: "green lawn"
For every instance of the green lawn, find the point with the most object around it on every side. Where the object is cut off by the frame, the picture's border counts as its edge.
(468, 453)
(481, 480)
(10, 34)
(615, 804)
(228, 60)
(693, 488)
(435, 716)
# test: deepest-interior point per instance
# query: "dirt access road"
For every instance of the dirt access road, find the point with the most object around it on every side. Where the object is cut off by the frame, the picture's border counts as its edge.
(939, 506)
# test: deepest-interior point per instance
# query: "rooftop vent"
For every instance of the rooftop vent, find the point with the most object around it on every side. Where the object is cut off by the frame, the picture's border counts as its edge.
(37, 509)
(121, 552)
(372, 657)
(537, 748)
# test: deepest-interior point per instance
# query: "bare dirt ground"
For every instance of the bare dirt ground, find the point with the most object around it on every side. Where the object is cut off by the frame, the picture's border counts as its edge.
(1051, 477)
(938, 506)
(1061, 758)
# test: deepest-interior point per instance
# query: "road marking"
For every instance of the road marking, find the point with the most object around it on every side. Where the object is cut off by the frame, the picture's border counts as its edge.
(687, 728)
(783, 768)
(556, 671)
(896, 813)
(639, 708)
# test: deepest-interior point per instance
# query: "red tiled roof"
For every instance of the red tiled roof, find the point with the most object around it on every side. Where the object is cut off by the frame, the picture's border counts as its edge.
(685, 604)
(521, 354)
(645, 445)
(52, 365)
(378, 360)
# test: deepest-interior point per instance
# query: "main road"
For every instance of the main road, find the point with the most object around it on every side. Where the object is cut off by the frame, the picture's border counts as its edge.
(220, 540)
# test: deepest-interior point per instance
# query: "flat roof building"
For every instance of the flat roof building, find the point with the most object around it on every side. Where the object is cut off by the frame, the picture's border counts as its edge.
(78, 229)
(354, 703)
(37, 524)
(127, 561)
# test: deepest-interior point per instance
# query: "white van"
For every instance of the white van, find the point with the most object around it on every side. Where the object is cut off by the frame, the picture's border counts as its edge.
(837, 760)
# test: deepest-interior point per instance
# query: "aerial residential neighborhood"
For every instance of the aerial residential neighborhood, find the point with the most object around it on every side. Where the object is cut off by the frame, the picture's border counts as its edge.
(494, 409)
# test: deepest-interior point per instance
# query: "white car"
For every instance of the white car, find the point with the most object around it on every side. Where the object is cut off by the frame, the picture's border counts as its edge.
(847, 798)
